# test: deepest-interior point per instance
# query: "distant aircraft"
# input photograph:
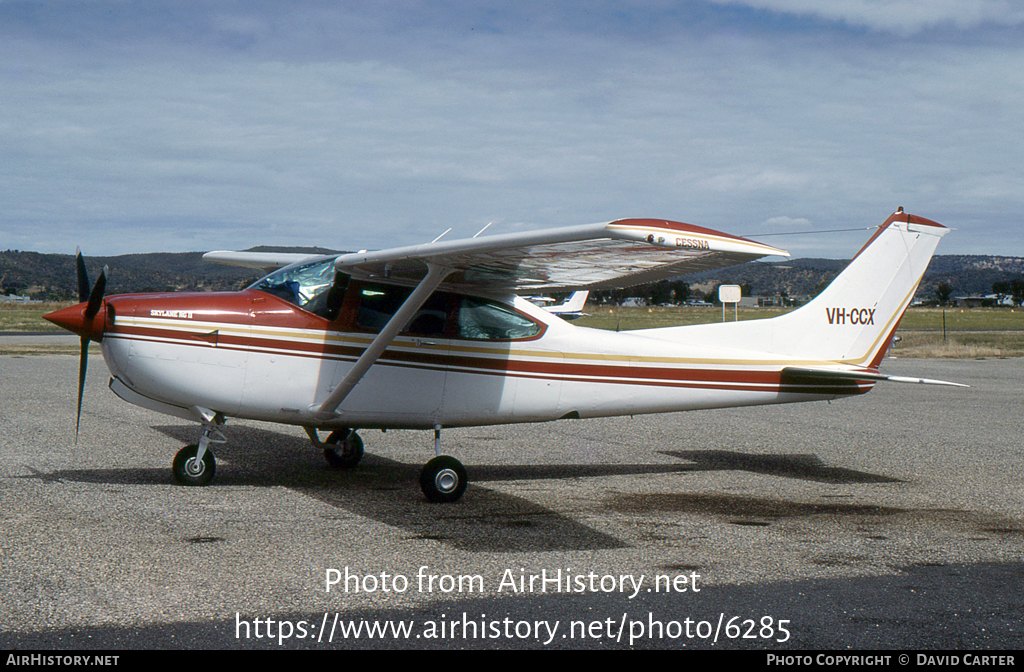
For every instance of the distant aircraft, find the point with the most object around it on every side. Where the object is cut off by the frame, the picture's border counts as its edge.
(569, 309)
(437, 335)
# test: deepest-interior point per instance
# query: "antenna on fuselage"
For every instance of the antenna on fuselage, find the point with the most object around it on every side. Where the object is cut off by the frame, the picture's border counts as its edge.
(441, 236)
(483, 229)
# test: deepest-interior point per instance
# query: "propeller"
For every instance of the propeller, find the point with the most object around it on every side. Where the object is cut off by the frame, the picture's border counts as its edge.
(93, 299)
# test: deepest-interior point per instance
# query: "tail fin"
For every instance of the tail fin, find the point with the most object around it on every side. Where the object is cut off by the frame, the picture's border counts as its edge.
(854, 319)
(572, 307)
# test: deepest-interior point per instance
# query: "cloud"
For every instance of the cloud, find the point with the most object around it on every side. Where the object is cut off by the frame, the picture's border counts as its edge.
(897, 16)
(358, 129)
(763, 180)
(787, 222)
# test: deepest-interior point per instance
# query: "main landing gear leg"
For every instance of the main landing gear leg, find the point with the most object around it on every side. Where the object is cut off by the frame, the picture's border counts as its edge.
(195, 464)
(443, 479)
(343, 448)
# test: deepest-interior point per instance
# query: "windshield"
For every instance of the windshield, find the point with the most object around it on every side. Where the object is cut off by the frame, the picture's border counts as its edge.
(308, 285)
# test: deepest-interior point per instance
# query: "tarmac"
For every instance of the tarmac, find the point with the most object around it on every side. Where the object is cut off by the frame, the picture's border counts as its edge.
(894, 520)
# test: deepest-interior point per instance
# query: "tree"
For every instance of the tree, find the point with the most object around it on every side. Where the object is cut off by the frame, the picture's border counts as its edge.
(1017, 291)
(680, 291)
(659, 293)
(943, 291)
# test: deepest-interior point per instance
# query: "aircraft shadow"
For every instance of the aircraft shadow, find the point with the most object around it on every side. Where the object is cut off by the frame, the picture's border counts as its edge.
(387, 490)
(808, 467)
(384, 490)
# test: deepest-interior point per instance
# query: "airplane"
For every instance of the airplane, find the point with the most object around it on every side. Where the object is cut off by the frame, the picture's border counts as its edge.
(439, 335)
(570, 309)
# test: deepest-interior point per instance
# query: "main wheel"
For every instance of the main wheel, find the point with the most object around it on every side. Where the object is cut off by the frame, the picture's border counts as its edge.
(443, 479)
(344, 450)
(188, 470)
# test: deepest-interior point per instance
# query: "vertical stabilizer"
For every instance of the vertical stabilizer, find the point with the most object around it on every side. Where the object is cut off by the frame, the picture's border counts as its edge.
(571, 307)
(853, 320)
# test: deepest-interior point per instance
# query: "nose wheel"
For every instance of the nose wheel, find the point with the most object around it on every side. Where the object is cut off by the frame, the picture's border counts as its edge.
(195, 464)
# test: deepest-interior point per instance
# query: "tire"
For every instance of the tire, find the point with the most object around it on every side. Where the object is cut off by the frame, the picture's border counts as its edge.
(187, 471)
(443, 479)
(345, 451)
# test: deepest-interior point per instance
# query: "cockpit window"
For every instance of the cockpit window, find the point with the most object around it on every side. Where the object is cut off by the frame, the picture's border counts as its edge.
(311, 286)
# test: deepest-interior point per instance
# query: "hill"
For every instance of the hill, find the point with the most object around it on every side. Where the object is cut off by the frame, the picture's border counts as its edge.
(967, 274)
(52, 276)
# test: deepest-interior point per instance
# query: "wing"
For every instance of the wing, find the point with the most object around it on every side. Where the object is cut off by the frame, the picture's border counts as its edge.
(622, 253)
(265, 261)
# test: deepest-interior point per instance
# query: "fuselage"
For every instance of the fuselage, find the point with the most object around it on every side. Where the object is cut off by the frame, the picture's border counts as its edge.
(254, 354)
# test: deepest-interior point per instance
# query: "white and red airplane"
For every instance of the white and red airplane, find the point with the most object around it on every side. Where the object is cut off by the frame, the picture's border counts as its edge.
(437, 335)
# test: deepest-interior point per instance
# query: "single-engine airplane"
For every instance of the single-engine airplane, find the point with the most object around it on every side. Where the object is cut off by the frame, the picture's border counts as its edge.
(570, 309)
(438, 335)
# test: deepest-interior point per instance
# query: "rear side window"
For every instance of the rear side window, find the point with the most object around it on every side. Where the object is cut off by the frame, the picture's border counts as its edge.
(481, 319)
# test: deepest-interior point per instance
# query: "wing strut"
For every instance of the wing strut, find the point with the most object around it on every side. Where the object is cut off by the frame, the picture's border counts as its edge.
(435, 275)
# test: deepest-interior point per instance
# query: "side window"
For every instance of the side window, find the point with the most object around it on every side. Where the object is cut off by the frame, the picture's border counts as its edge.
(377, 303)
(481, 319)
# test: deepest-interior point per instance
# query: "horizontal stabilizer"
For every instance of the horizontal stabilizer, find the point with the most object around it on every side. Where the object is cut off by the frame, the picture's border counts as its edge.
(828, 375)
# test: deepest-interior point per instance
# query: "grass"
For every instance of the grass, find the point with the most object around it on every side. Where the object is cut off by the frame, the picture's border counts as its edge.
(25, 350)
(973, 332)
(28, 316)
(915, 319)
(959, 344)
(619, 318)
(21, 317)
(964, 319)
(970, 333)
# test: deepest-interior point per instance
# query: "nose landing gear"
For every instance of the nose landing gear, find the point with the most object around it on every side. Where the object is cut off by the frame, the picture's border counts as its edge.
(190, 469)
(195, 464)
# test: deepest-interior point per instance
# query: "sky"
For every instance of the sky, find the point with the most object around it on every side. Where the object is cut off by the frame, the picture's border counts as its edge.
(174, 126)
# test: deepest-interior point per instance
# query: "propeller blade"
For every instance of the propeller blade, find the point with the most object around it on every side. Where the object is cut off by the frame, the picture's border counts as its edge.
(93, 299)
(96, 296)
(83, 365)
(83, 277)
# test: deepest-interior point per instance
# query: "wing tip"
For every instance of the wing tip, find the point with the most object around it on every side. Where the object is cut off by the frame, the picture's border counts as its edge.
(683, 235)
